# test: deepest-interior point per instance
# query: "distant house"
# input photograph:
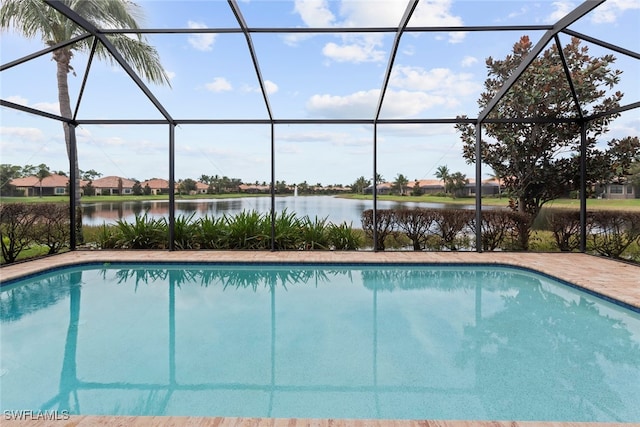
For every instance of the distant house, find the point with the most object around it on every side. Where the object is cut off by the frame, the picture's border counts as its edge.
(201, 188)
(53, 185)
(489, 187)
(157, 186)
(113, 185)
(617, 190)
(254, 188)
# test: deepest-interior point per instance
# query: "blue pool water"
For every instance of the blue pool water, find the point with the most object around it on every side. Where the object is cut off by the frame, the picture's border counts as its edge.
(328, 341)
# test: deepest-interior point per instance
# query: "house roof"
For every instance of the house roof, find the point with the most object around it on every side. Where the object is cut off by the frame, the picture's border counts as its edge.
(112, 182)
(52, 181)
(156, 184)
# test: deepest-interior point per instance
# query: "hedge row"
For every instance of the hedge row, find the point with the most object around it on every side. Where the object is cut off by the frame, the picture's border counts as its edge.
(247, 230)
(609, 233)
(23, 225)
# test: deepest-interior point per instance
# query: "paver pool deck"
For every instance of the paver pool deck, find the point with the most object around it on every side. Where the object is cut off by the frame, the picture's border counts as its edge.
(613, 279)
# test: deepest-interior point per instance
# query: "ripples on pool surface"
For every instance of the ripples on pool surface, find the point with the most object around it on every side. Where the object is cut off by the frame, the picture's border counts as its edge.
(390, 342)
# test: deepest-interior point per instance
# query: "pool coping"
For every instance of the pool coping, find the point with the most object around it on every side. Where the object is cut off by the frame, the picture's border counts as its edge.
(611, 279)
(614, 280)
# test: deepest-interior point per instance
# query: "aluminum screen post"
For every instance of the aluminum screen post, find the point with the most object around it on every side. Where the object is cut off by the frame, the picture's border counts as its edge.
(172, 186)
(73, 178)
(375, 187)
(583, 186)
(479, 187)
(273, 188)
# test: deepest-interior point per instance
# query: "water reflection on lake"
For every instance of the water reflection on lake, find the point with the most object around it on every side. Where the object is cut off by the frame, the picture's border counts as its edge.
(336, 210)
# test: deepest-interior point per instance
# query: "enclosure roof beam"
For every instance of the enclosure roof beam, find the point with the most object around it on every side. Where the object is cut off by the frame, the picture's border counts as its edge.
(30, 110)
(569, 19)
(567, 73)
(325, 30)
(618, 110)
(243, 25)
(411, 6)
(324, 121)
(83, 85)
(601, 43)
(82, 22)
(44, 51)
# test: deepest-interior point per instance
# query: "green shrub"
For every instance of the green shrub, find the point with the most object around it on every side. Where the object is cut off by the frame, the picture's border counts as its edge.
(565, 226)
(248, 230)
(16, 229)
(186, 232)
(288, 231)
(450, 223)
(315, 234)
(51, 227)
(385, 226)
(613, 232)
(416, 224)
(144, 233)
(212, 233)
(344, 238)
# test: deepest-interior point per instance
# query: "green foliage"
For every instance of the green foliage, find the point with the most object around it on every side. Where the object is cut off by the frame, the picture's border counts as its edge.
(186, 232)
(416, 224)
(384, 226)
(565, 226)
(212, 233)
(51, 227)
(288, 231)
(343, 237)
(144, 233)
(247, 230)
(612, 232)
(360, 184)
(315, 234)
(524, 155)
(16, 229)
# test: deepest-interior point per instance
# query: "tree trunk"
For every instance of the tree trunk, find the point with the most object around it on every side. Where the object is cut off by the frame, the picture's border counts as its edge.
(63, 59)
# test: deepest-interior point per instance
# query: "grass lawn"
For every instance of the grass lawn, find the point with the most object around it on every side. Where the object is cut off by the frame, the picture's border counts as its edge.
(612, 204)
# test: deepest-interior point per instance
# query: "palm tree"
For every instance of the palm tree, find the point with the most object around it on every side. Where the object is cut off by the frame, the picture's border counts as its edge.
(443, 173)
(496, 177)
(43, 172)
(401, 183)
(34, 18)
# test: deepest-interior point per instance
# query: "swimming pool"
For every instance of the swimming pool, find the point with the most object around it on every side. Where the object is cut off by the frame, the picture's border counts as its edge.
(317, 341)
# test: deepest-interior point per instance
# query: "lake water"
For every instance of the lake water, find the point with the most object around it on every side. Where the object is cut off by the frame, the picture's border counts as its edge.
(336, 210)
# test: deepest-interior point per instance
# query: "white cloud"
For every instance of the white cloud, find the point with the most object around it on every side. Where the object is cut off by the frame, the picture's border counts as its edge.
(468, 61)
(412, 90)
(610, 11)
(203, 42)
(219, 84)
(49, 107)
(314, 13)
(22, 133)
(441, 81)
(366, 48)
(17, 99)
(406, 103)
(437, 13)
(357, 105)
(361, 49)
(270, 87)
(171, 75)
(561, 9)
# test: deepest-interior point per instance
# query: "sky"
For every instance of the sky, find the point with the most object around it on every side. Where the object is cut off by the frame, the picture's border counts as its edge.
(307, 76)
